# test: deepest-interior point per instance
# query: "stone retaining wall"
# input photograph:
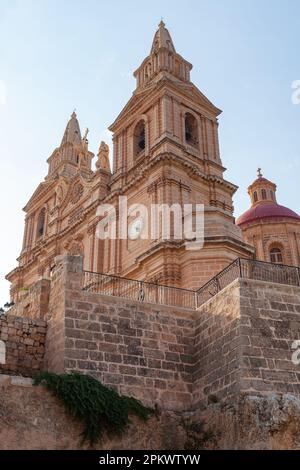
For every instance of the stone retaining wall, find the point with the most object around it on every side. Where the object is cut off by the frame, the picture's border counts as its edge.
(244, 342)
(270, 315)
(141, 349)
(23, 343)
(217, 353)
(239, 341)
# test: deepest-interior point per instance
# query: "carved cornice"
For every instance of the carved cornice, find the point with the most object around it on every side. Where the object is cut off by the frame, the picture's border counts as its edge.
(136, 175)
(229, 241)
(165, 181)
(92, 228)
(191, 158)
(161, 245)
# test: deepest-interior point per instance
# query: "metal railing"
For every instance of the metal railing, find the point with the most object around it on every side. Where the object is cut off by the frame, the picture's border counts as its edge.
(249, 269)
(141, 291)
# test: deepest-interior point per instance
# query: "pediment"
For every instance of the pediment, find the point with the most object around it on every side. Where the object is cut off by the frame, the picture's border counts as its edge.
(187, 88)
(132, 103)
(40, 191)
(191, 90)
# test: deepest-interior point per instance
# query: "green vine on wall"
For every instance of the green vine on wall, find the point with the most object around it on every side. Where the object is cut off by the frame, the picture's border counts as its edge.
(100, 408)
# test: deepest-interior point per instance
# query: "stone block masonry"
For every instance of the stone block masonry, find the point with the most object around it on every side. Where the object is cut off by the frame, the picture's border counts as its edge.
(244, 338)
(239, 342)
(140, 349)
(270, 323)
(217, 353)
(33, 302)
(23, 342)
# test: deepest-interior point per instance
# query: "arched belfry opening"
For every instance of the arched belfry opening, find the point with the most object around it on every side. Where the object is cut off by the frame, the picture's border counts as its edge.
(191, 130)
(41, 223)
(139, 137)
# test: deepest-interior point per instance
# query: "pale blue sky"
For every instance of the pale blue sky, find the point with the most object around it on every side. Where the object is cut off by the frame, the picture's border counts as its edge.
(57, 55)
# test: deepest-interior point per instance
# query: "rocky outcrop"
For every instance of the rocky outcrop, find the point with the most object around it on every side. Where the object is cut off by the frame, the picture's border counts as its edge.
(31, 418)
(270, 422)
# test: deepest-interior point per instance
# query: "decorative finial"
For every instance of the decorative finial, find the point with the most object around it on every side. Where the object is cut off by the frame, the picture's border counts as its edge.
(259, 173)
(74, 115)
(161, 24)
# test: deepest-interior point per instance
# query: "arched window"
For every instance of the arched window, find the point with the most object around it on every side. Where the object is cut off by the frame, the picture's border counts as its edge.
(191, 130)
(255, 196)
(139, 138)
(263, 194)
(276, 256)
(41, 223)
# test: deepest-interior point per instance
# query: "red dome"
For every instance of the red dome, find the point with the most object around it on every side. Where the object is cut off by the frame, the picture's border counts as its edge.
(263, 211)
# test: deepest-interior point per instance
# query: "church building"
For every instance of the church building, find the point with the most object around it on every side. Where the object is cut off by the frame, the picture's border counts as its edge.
(206, 335)
(165, 151)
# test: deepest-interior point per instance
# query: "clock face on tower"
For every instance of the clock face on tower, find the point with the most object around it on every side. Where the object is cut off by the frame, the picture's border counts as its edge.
(135, 229)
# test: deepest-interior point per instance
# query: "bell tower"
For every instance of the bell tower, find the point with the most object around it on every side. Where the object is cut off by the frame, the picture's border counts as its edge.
(166, 111)
(72, 155)
(54, 211)
(166, 151)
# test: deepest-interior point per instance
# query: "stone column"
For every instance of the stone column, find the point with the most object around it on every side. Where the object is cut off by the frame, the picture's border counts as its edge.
(66, 278)
(25, 237)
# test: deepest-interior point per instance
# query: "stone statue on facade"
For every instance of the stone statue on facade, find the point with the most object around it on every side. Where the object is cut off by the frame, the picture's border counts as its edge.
(103, 158)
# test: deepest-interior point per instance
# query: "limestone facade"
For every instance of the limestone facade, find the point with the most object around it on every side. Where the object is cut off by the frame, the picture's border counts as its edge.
(239, 344)
(165, 151)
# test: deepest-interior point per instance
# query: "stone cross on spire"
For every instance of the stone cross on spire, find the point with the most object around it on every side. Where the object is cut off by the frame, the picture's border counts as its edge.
(259, 173)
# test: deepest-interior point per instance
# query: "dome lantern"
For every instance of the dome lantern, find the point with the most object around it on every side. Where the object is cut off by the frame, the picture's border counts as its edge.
(262, 190)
